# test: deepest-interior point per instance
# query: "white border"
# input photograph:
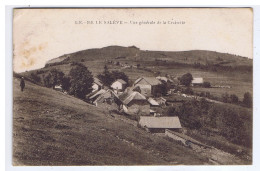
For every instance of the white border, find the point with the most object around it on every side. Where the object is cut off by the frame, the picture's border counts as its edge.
(8, 96)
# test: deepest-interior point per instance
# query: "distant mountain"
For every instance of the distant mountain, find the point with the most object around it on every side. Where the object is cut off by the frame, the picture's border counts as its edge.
(134, 53)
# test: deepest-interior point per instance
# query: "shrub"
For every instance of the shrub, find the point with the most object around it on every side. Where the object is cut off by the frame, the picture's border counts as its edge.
(35, 77)
(206, 84)
(233, 98)
(188, 90)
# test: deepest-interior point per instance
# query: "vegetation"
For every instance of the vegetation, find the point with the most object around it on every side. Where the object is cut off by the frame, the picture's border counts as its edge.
(35, 77)
(54, 78)
(107, 77)
(186, 79)
(247, 101)
(228, 122)
(81, 81)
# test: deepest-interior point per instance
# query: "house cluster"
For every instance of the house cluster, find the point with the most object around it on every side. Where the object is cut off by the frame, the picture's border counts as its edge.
(139, 100)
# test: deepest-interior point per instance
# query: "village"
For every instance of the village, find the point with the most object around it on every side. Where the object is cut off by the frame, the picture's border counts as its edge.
(144, 103)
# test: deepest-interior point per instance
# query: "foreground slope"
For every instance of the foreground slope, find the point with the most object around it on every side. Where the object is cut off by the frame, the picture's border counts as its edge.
(51, 128)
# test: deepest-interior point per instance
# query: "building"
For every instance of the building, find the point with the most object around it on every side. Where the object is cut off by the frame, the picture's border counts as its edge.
(153, 102)
(149, 85)
(134, 103)
(197, 81)
(119, 85)
(107, 99)
(159, 124)
(97, 85)
(58, 88)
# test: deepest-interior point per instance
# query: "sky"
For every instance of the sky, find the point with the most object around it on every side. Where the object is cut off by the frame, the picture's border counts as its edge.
(43, 34)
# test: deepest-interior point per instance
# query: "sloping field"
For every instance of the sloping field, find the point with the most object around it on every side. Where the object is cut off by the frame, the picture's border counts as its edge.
(51, 128)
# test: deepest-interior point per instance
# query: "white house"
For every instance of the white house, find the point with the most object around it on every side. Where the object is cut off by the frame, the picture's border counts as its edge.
(197, 81)
(118, 85)
(97, 85)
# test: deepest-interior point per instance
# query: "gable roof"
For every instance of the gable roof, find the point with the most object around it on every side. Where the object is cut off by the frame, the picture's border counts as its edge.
(97, 81)
(198, 80)
(97, 93)
(127, 97)
(160, 122)
(153, 102)
(120, 80)
(149, 80)
(107, 94)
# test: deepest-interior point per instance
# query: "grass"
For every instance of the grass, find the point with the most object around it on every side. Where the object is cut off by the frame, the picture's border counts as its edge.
(51, 128)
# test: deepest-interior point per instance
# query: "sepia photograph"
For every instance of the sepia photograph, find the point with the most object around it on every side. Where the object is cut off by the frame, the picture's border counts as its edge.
(132, 86)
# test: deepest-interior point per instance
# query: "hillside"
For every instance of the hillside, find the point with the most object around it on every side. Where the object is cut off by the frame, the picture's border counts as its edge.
(135, 54)
(52, 128)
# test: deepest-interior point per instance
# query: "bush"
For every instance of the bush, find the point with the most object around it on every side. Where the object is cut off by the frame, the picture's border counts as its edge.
(247, 101)
(35, 77)
(225, 98)
(206, 84)
(233, 98)
(188, 90)
(186, 79)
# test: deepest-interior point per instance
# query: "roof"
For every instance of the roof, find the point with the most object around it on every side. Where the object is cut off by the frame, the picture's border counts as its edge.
(97, 93)
(198, 80)
(97, 81)
(153, 102)
(127, 97)
(149, 80)
(162, 78)
(160, 122)
(107, 94)
(121, 81)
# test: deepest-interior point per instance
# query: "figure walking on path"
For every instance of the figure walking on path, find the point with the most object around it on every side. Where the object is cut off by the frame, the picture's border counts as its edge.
(22, 84)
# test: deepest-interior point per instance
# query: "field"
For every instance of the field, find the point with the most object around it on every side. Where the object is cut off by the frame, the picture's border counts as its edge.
(51, 128)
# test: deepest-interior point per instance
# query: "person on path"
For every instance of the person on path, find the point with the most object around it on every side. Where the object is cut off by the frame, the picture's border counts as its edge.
(22, 84)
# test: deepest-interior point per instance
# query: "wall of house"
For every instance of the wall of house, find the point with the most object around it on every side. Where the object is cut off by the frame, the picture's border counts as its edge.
(117, 85)
(139, 107)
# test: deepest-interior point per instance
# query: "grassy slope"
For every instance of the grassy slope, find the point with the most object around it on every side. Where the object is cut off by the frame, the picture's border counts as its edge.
(51, 128)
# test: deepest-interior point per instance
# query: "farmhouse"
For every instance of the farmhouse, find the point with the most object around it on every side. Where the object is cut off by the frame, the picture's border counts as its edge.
(134, 103)
(118, 85)
(197, 81)
(107, 99)
(97, 85)
(159, 124)
(149, 85)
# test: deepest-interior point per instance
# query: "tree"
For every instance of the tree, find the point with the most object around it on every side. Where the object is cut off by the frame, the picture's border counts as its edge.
(35, 77)
(81, 81)
(119, 75)
(65, 84)
(55, 77)
(225, 98)
(247, 101)
(105, 77)
(233, 98)
(186, 79)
